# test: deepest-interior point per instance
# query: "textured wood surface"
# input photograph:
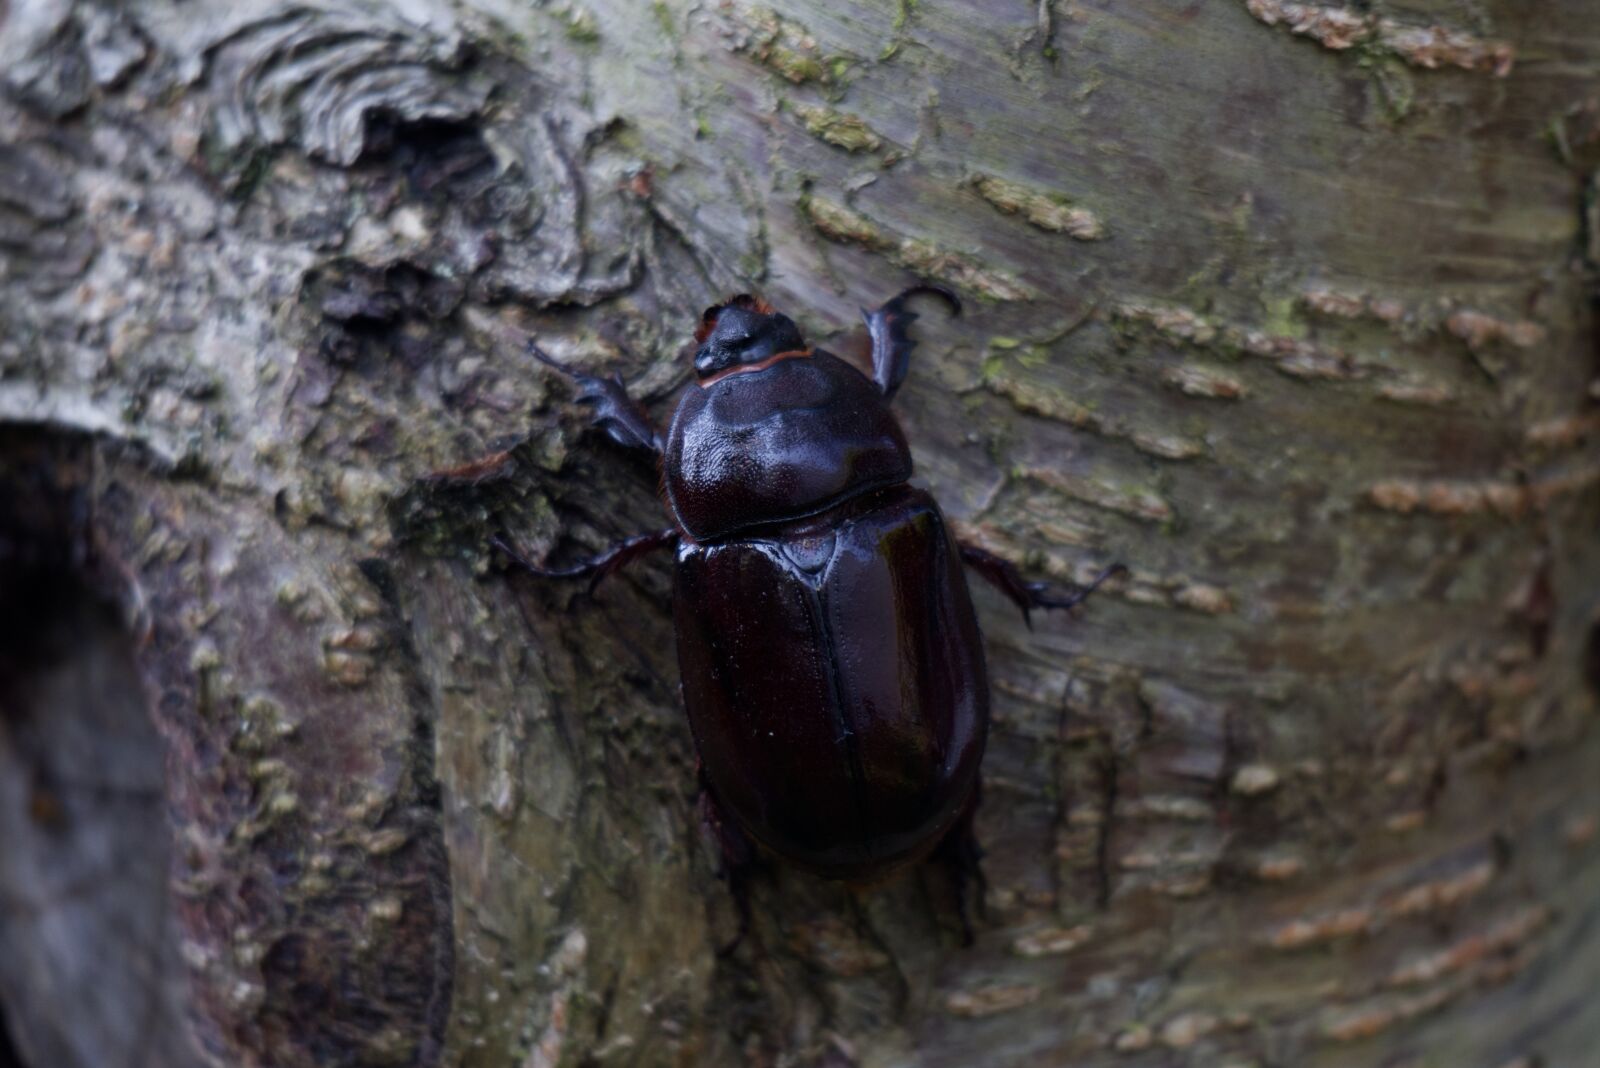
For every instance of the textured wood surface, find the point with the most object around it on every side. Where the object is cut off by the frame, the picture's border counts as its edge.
(1290, 306)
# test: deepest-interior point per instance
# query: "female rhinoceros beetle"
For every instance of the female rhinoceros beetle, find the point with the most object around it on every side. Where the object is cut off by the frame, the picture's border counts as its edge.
(831, 663)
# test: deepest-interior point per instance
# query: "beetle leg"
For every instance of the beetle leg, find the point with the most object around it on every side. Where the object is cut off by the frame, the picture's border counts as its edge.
(1004, 576)
(618, 414)
(891, 345)
(598, 567)
(962, 856)
(736, 856)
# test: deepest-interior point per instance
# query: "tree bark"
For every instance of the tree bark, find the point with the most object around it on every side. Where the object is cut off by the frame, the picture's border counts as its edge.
(1289, 306)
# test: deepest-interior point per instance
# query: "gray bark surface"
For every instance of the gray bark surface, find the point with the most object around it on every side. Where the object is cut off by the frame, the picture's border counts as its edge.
(1290, 306)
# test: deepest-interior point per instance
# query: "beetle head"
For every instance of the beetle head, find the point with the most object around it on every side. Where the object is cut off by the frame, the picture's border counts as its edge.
(744, 330)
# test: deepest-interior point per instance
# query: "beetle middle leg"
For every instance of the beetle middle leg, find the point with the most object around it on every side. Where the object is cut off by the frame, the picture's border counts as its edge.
(1026, 595)
(598, 567)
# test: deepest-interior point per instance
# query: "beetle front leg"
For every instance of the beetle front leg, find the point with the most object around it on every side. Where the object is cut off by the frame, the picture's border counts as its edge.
(891, 345)
(618, 414)
(598, 567)
(1004, 576)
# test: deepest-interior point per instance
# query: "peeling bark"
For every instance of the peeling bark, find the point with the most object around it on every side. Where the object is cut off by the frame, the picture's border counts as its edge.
(1290, 306)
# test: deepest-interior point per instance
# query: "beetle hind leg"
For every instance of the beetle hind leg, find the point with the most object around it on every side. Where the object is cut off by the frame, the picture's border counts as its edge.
(961, 855)
(1003, 575)
(736, 859)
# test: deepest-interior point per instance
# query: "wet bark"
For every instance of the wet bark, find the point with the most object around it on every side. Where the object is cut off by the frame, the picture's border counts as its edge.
(1288, 306)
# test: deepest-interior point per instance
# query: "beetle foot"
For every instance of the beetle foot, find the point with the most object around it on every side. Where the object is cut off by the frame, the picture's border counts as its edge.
(1004, 576)
(895, 303)
(1048, 595)
(618, 414)
(503, 543)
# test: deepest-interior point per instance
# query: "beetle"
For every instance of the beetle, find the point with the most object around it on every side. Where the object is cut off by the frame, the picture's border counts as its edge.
(831, 663)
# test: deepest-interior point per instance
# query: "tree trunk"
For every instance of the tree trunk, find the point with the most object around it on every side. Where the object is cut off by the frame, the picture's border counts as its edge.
(1289, 306)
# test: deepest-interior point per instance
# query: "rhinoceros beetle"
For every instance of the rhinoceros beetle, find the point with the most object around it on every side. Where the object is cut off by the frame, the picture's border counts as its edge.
(832, 667)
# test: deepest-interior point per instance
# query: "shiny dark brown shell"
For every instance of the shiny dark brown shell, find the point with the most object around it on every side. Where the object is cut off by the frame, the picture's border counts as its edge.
(834, 678)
